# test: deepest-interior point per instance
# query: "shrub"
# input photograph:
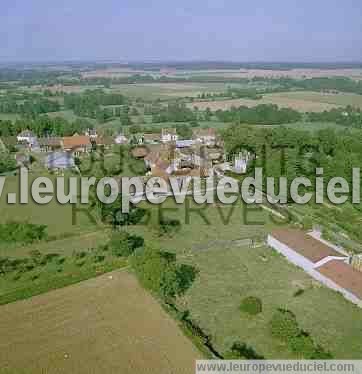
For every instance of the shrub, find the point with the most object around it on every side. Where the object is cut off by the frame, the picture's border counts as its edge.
(99, 258)
(251, 305)
(284, 325)
(123, 244)
(60, 260)
(79, 254)
(22, 232)
(242, 351)
(169, 226)
(159, 272)
(303, 345)
(307, 222)
(298, 292)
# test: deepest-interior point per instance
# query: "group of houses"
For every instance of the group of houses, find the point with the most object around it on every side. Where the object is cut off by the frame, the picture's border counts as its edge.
(165, 155)
(60, 151)
(327, 263)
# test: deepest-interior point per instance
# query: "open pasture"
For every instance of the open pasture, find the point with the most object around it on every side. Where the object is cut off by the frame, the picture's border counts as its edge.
(108, 324)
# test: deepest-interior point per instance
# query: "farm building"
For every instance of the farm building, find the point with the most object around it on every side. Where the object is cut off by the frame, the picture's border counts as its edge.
(321, 261)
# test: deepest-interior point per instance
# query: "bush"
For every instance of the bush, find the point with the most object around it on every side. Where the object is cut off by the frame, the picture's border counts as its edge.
(158, 272)
(307, 222)
(123, 244)
(251, 305)
(242, 351)
(22, 232)
(299, 292)
(169, 226)
(284, 325)
(303, 345)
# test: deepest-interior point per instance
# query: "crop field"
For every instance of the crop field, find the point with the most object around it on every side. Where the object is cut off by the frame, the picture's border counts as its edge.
(108, 324)
(293, 73)
(168, 90)
(232, 73)
(231, 269)
(341, 99)
(286, 101)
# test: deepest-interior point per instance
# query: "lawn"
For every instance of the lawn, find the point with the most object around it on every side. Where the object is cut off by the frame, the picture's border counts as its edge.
(230, 269)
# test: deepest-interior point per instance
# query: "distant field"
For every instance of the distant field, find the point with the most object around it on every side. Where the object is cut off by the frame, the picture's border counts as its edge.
(9, 117)
(231, 73)
(168, 90)
(282, 100)
(69, 116)
(342, 99)
(108, 324)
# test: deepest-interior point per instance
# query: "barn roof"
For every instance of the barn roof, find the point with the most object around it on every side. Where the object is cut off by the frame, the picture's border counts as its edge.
(302, 243)
(344, 275)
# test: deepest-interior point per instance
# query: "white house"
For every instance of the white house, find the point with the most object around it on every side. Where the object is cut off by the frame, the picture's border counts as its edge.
(27, 136)
(205, 136)
(121, 139)
(241, 162)
(169, 135)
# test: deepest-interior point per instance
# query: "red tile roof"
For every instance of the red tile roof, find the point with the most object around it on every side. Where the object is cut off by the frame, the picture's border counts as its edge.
(343, 275)
(304, 244)
(70, 142)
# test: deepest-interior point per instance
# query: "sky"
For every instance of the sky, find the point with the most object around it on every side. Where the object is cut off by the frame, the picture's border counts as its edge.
(159, 30)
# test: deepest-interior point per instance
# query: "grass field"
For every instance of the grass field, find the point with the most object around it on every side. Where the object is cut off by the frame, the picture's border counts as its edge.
(216, 240)
(230, 270)
(168, 90)
(341, 99)
(108, 324)
(286, 101)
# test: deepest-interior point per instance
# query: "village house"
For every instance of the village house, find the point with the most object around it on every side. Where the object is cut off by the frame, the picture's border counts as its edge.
(205, 136)
(50, 144)
(91, 133)
(103, 141)
(121, 139)
(325, 263)
(26, 136)
(169, 135)
(77, 144)
(241, 161)
(184, 143)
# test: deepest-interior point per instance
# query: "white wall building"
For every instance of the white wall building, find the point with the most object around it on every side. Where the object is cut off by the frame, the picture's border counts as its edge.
(320, 261)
